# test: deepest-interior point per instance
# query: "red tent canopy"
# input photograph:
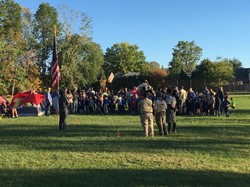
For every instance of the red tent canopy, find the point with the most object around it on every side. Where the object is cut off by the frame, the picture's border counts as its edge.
(27, 97)
(3, 100)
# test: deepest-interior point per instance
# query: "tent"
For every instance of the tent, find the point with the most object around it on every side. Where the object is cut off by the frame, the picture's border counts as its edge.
(22, 99)
(54, 107)
(3, 100)
(31, 110)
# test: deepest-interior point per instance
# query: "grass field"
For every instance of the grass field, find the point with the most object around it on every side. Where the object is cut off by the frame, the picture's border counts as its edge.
(205, 151)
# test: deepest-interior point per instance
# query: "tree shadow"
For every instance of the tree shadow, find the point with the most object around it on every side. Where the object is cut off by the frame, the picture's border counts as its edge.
(239, 111)
(101, 138)
(120, 177)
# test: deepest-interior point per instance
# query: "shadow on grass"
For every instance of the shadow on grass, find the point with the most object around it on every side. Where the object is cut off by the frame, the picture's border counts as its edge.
(240, 111)
(214, 120)
(97, 130)
(120, 177)
(93, 138)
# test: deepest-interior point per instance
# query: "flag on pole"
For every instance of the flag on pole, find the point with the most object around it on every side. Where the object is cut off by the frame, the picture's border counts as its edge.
(55, 71)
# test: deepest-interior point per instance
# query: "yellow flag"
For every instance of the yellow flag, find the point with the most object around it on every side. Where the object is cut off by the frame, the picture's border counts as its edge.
(111, 77)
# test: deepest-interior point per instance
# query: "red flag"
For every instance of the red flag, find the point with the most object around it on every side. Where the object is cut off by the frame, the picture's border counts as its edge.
(55, 71)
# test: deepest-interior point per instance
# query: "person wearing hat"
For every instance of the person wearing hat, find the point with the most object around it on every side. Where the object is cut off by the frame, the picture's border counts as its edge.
(160, 108)
(63, 109)
(146, 115)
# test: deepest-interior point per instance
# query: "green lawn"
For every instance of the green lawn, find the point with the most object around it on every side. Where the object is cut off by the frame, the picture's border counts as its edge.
(205, 151)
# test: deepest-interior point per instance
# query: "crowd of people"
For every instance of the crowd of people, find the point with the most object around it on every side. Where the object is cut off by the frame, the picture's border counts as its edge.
(188, 102)
(165, 104)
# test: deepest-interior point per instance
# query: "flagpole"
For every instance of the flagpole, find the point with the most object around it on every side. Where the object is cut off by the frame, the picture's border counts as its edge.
(57, 103)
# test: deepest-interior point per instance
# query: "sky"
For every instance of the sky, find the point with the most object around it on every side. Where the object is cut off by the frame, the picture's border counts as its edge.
(220, 27)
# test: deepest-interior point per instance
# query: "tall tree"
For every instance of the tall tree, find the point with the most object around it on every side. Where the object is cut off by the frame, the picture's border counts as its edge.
(12, 44)
(237, 64)
(223, 73)
(80, 62)
(124, 57)
(205, 71)
(185, 57)
(46, 17)
(10, 17)
(28, 27)
(71, 18)
(77, 50)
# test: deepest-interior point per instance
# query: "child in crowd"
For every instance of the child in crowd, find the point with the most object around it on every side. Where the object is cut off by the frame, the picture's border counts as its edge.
(232, 103)
(225, 105)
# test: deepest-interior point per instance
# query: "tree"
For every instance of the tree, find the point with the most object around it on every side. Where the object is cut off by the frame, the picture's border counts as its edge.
(12, 44)
(46, 17)
(80, 59)
(80, 62)
(17, 67)
(223, 73)
(236, 63)
(157, 75)
(205, 71)
(154, 65)
(214, 74)
(70, 18)
(123, 57)
(28, 27)
(10, 17)
(185, 57)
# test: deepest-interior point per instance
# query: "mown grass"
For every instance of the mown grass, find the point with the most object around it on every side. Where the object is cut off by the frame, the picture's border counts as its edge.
(205, 151)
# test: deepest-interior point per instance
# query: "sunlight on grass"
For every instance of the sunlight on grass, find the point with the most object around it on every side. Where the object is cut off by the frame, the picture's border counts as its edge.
(205, 151)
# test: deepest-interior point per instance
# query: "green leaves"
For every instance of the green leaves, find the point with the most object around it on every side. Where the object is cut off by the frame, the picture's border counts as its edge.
(46, 18)
(215, 73)
(185, 57)
(123, 57)
(80, 61)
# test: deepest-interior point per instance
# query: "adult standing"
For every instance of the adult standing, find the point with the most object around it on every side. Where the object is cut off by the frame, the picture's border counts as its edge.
(171, 111)
(48, 101)
(146, 115)
(63, 110)
(182, 100)
(160, 108)
(220, 95)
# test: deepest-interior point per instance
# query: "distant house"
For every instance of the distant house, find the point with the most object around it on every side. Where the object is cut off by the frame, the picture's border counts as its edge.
(241, 82)
(131, 74)
(242, 76)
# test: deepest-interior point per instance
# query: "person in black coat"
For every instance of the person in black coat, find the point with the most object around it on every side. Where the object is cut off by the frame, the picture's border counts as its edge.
(63, 110)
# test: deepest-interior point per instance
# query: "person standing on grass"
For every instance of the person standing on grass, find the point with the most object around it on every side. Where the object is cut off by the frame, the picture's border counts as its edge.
(182, 100)
(217, 105)
(232, 103)
(14, 108)
(171, 111)
(226, 104)
(220, 94)
(146, 115)
(48, 101)
(63, 109)
(160, 108)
